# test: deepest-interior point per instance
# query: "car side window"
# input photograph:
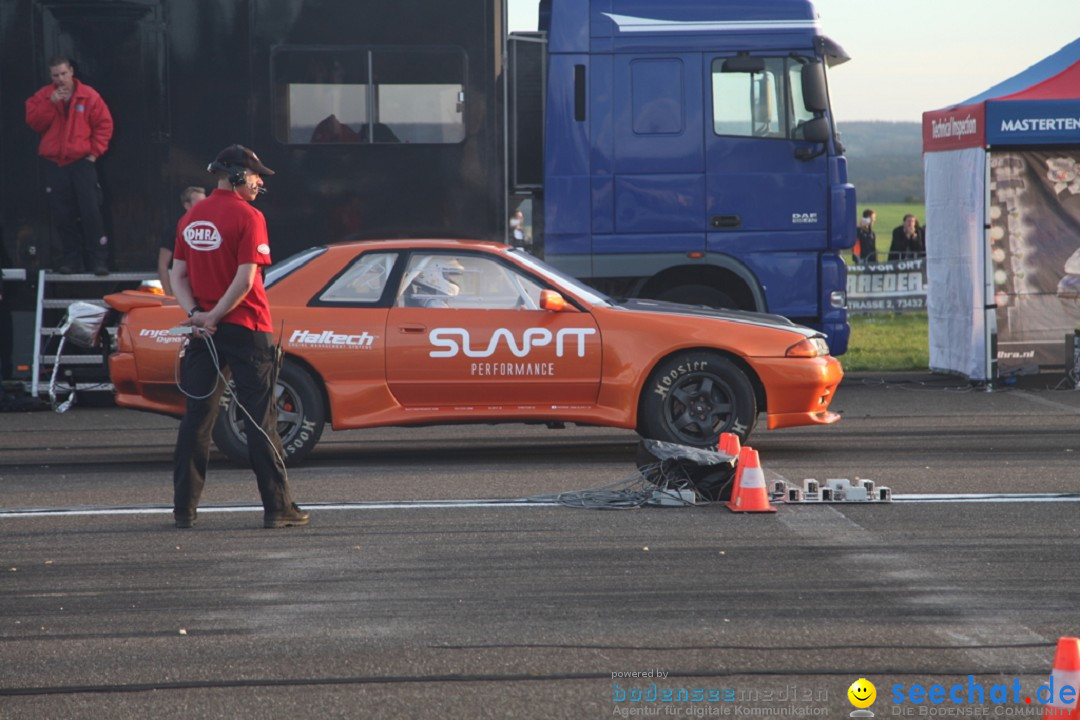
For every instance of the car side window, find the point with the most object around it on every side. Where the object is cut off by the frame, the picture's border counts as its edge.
(364, 281)
(436, 280)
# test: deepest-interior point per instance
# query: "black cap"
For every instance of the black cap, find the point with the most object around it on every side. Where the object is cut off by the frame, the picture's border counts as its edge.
(236, 156)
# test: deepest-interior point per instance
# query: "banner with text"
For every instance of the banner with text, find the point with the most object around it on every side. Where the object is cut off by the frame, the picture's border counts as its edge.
(887, 287)
(1035, 254)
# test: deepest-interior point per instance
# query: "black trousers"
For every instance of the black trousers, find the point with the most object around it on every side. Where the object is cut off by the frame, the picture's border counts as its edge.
(75, 202)
(251, 356)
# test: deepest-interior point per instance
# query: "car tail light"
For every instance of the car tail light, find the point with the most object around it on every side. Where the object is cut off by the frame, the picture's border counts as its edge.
(123, 342)
(808, 348)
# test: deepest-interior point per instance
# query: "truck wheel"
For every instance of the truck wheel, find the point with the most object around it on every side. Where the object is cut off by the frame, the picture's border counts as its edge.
(698, 295)
(692, 397)
(301, 417)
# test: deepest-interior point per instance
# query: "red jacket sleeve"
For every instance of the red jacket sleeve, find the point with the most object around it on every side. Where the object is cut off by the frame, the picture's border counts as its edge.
(40, 111)
(101, 126)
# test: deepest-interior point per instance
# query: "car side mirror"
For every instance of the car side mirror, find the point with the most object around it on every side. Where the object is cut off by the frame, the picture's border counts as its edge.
(553, 301)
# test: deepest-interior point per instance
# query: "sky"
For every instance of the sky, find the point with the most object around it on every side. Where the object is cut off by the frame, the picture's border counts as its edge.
(910, 56)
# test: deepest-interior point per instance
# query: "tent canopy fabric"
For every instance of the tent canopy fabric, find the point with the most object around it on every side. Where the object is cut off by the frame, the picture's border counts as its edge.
(1003, 222)
(1056, 77)
(1039, 106)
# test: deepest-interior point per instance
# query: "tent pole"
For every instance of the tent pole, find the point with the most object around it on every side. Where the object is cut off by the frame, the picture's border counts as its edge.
(989, 303)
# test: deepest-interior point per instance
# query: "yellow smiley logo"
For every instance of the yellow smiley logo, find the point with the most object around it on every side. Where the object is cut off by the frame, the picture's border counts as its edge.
(862, 693)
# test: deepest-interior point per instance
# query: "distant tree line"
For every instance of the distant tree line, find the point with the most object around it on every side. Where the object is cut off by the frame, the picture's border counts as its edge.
(884, 160)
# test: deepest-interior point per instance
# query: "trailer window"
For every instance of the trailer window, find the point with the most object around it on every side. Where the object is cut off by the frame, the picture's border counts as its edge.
(369, 95)
(750, 104)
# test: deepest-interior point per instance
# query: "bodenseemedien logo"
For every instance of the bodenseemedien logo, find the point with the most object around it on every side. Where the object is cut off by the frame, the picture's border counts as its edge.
(862, 694)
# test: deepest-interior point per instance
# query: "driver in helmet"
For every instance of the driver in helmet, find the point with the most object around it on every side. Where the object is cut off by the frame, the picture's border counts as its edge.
(435, 283)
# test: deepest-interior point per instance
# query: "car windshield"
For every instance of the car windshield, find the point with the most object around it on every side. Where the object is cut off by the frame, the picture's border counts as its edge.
(282, 269)
(594, 297)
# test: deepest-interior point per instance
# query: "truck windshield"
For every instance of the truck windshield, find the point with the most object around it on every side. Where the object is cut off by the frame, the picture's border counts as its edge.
(767, 104)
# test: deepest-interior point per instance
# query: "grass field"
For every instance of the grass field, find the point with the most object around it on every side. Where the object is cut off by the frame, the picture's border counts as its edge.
(892, 215)
(879, 343)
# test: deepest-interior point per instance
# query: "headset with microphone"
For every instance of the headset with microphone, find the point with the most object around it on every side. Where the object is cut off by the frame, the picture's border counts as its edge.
(237, 175)
(238, 172)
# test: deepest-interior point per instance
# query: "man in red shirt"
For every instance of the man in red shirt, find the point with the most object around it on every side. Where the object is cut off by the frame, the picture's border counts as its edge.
(75, 126)
(220, 245)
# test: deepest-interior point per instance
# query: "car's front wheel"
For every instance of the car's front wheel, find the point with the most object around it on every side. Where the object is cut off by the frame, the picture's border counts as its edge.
(692, 397)
(301, 418)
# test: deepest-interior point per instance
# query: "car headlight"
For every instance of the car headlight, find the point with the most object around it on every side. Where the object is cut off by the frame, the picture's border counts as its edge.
(808, 348)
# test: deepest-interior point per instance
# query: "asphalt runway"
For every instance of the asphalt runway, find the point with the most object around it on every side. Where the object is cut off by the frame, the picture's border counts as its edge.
(438, 580)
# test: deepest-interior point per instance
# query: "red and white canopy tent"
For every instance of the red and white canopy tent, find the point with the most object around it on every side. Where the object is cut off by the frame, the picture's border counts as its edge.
(1003, 222)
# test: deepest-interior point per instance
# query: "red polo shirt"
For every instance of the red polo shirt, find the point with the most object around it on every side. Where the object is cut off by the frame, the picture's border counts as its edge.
(215, 237)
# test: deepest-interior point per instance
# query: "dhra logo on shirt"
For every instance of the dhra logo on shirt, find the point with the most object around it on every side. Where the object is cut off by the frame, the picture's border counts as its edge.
(202, 235)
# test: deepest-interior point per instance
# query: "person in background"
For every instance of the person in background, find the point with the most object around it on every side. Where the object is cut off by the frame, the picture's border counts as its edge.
(517, 229)
(191, 195)
(221, 245)
(75, 126)
(866, 242)
(908, 240)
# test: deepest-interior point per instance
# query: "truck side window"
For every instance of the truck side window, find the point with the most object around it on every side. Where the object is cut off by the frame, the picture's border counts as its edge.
(750, 104)
(799, 114)
(357, 95)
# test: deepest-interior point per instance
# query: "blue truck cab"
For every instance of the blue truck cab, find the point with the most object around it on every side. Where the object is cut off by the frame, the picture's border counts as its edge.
(690, 155)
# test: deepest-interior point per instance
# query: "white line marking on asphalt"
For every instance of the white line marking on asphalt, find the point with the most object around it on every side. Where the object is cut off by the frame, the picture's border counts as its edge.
(513, 503)
(986, 640)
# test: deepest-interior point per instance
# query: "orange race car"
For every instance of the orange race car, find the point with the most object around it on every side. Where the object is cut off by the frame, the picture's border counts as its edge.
(418, 332)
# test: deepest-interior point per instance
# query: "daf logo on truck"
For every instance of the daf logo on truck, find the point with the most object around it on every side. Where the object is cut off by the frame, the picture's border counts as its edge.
(455, 341)
(807, 218)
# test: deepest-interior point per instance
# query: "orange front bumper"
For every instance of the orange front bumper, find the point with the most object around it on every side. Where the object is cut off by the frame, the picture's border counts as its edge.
(800, 391)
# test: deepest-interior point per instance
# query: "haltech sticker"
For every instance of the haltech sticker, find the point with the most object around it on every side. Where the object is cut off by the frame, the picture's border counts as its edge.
(331, 339)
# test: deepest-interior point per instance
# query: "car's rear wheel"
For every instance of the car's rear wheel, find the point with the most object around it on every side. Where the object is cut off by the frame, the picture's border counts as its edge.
(692, 397)
(301, 418)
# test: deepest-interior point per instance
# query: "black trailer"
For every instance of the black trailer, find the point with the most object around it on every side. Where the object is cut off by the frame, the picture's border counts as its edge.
(381, 119)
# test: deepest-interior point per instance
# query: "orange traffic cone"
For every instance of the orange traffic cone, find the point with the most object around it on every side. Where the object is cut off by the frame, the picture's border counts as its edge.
(729, 444)
(749, 493)
(1066, 672)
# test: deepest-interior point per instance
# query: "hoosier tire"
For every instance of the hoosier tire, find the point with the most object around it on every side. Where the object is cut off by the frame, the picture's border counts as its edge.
(301, 418)
(692, 397)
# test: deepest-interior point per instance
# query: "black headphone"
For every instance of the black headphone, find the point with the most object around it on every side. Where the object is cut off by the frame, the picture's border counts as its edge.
(237, 173)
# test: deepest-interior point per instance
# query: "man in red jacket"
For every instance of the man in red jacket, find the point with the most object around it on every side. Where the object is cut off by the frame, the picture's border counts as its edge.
(75, 126)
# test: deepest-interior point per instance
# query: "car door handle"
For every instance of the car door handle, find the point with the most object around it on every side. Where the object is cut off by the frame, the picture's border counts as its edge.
(413, 328)
(725, 221)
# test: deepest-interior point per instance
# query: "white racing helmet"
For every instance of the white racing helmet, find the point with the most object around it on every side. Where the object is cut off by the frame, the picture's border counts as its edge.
(438, 277)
